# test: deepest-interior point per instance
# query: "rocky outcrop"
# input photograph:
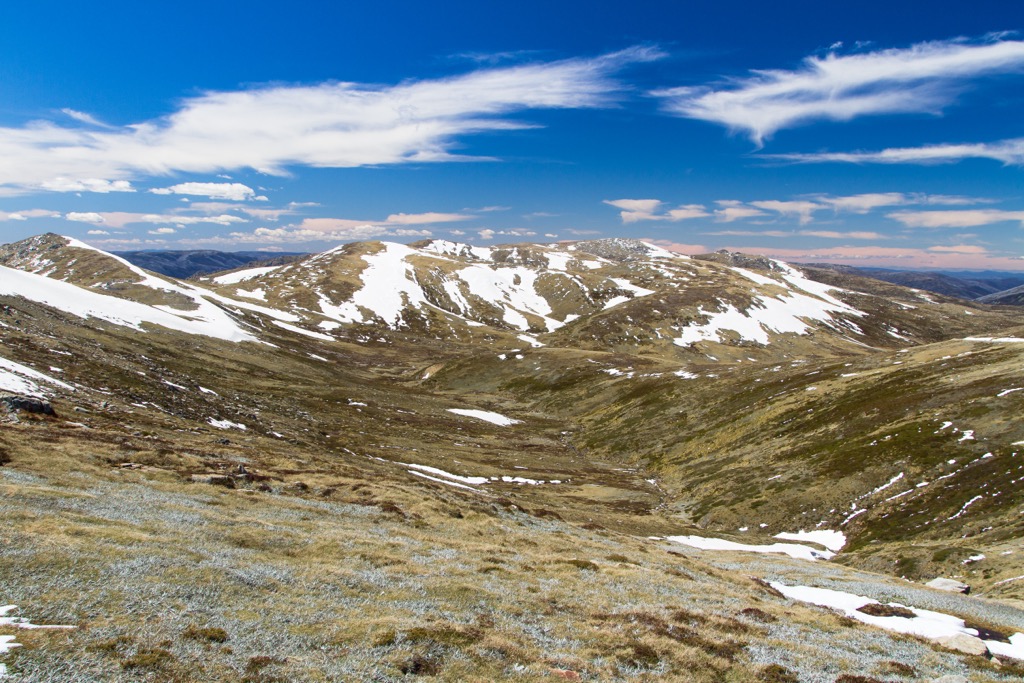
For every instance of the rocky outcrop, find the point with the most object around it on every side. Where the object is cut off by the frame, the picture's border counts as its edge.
(951, 585)
(29, 404)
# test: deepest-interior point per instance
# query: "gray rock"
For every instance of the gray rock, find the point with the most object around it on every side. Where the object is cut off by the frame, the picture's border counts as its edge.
(949, 585)
(961, 642)
(949, 678)
(214, 479)
(29, 404)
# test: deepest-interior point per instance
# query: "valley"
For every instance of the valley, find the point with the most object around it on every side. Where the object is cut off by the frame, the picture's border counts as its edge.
(387, 461)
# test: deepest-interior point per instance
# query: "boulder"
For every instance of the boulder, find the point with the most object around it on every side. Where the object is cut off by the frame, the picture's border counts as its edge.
(214, 479)
(949, 585)
(30, 404)
(961, 642)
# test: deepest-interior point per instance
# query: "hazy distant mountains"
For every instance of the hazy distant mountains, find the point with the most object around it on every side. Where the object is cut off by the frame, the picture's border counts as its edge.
(964, 285)
(183, 264)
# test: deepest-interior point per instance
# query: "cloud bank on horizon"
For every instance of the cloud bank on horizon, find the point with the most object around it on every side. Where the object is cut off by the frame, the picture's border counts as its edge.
(558, 148)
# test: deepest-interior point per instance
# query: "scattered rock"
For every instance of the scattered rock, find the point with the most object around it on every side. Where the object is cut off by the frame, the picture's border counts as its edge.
(961, 642)
(951, 585)
(214, 480)
(949, 678)
(29, 404)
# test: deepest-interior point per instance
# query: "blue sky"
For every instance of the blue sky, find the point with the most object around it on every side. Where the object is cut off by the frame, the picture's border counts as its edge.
(880, 134)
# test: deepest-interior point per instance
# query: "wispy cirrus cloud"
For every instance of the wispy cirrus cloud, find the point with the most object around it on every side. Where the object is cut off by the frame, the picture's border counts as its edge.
(967, 218)
(337, 125)
(923, 78)
(803, 208)
(317, 229)
(840, 235)
(734, 210)
(800, 208)
(29, 213)
(121, 219)
(1009, 152)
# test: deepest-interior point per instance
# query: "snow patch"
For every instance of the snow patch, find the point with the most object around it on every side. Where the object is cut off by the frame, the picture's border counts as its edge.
(243, 275)
(924, 623)
(794, 550)
(486, 416)
(833, 540)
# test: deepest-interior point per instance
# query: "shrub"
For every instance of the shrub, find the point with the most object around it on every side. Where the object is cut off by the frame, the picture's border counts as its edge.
(776, 673)
(209, 634)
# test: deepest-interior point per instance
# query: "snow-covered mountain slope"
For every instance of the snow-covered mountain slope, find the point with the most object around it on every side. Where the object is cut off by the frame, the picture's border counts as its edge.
(600, 295)
(607, 294)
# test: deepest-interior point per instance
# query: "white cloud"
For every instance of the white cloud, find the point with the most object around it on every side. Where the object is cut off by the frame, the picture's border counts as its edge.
(801, 209)
(85, 118)
(924, 78)
(960, 249)
(486, 234)
(733, 210)
(163, 231)
(233, 191)
(634, 210)
(968, 218)
(63, 184)
(25, 215)
(864, 203)
(119, 219)
(424, 218)
(97, 232)
(834, 235)
(336, 125)
(1009, 152)
(84, 217)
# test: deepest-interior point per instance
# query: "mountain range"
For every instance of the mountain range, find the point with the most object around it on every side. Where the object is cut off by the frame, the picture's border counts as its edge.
(962, 284)
(512, 462)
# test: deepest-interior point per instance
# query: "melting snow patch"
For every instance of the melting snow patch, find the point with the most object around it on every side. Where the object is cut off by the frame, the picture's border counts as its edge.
(7, 643)
(833, 540)
(486, 416)
(532, 341)
(259, 293)
(243, 275)
(21, 379)
(794, 550)
(303, 332)
(226, 424)
(207, 320)
(924, 623)
(966, 505)
(1006, 340)
(447, 475)
(1008, 391)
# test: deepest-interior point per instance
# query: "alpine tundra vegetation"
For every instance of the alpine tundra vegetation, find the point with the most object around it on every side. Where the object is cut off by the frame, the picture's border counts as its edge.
(596, 460)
